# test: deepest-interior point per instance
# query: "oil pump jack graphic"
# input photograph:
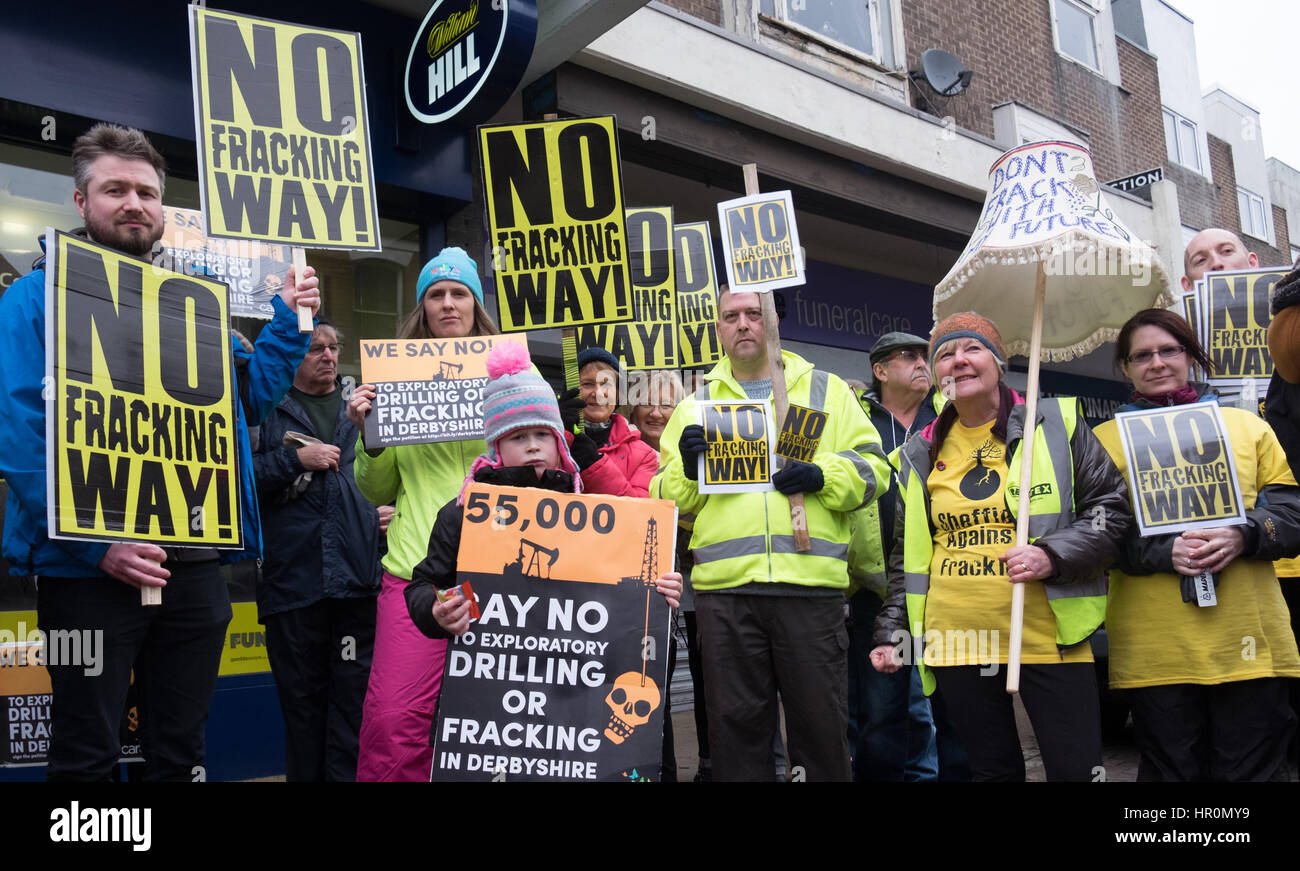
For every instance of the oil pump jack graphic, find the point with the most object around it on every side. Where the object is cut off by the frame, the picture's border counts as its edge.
(529, 563)
(447, 370)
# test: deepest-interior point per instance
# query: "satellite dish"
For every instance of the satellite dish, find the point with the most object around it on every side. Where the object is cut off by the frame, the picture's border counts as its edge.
(944, 72)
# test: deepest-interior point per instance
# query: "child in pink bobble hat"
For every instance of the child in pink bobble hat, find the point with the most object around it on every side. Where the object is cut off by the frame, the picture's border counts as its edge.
(525, 448)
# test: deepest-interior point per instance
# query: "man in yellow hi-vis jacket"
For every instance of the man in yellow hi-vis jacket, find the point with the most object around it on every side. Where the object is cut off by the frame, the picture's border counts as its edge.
(771, 618)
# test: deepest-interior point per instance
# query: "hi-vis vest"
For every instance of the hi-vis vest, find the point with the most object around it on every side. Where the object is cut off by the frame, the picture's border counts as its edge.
(1079, 608)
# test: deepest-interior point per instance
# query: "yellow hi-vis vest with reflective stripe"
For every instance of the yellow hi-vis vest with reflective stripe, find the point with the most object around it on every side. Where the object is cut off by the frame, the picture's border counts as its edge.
(1079, 608)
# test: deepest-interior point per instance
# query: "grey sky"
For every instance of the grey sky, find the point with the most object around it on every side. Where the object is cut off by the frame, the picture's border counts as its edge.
(1248, 47)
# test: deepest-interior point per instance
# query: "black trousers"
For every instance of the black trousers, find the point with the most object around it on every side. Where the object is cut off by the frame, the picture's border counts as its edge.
(754, 646)
(175, 650)
(697, 683)
(320, 658)
(1063, 706)
(1291, 593)
(1235, 731)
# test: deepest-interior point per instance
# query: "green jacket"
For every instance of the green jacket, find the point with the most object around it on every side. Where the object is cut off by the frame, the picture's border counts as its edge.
(743, 538)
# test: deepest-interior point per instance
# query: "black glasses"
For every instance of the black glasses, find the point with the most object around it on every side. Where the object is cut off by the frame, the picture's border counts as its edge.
(1168, 352)
(317, 350)
(911, 355)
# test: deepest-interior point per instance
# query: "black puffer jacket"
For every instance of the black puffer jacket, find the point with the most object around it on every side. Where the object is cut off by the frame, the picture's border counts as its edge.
(437, 571)
(324, 542)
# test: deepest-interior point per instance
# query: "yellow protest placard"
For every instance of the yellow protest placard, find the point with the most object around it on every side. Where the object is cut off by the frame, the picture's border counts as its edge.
(282, 132)
(1180, 468)
(1236, 319)
(697, 295)
(141, 442)
(801, 432)
(649, 340)
(427, 390)
(739, 437)
(760, 242)
(554, 194)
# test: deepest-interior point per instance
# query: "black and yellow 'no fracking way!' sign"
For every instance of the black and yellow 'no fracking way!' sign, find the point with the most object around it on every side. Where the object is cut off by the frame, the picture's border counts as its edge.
(554, 194)
(801, 432)
(649, 340)
(140, 414)
(739, 437)
(1236, 307)
(1180, 468)
(283, 140)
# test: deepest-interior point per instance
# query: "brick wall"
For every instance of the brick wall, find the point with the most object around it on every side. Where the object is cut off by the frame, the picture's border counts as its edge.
(1226, 214)
(705, 10)
(1281, 234)
(1009, 46)
(1198, 198)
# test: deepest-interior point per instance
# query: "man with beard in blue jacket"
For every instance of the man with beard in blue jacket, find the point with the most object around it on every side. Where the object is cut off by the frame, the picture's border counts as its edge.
(93, 588)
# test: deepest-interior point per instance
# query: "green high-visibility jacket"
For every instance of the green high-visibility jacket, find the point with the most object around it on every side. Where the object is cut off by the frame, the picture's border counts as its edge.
(747, 538)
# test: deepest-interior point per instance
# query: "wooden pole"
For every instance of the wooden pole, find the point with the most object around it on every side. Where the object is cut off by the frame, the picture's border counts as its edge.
(304, 312)
(1026, 481)
(776, 366)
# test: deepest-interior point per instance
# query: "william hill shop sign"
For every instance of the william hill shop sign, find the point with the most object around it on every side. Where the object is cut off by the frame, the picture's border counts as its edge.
(468, 57)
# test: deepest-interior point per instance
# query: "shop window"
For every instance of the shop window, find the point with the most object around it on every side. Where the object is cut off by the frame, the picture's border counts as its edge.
(1075, 31)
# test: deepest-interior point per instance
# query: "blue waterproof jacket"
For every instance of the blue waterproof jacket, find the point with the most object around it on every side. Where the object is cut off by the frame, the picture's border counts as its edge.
(263, 377)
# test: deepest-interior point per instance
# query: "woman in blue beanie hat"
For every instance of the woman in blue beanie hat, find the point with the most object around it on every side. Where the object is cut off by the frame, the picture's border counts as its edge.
(407, 670)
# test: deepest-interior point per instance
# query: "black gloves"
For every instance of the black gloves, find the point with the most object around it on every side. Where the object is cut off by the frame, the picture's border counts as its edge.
(799, 478)
(584, 451)
(571, 406)
(691, 445)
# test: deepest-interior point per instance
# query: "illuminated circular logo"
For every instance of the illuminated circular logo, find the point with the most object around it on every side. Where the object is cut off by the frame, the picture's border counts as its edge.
(468, 57)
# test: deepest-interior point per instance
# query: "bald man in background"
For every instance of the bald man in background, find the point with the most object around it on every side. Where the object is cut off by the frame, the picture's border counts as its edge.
(1214, 250)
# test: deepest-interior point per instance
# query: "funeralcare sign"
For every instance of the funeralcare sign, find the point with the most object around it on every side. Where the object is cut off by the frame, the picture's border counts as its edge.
(468, 57)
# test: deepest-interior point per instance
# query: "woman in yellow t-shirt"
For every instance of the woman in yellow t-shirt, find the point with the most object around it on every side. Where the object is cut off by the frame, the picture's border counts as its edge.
(958, 489)
(1206, 684)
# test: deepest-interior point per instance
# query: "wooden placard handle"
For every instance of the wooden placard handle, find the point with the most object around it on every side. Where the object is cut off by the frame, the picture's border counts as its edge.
(776, 366)
(1026, 481)
(304, 312)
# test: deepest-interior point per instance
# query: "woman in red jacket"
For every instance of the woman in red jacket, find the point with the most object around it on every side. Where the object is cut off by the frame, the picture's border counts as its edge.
(610, 453)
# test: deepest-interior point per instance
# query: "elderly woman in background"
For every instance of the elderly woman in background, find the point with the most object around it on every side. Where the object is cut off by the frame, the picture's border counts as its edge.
(1206, 684)
(958, 494)
(613, 458)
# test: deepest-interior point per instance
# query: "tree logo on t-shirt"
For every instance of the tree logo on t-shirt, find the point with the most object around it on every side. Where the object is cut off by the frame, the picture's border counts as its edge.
(982, 481)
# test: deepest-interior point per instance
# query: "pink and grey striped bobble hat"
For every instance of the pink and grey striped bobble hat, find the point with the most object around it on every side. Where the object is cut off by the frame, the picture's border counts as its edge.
(515, 397)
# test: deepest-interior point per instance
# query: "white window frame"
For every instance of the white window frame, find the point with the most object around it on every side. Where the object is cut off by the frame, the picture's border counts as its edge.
(1176, 154)
(781, 12)
(1247, 223)
(1090, 9)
